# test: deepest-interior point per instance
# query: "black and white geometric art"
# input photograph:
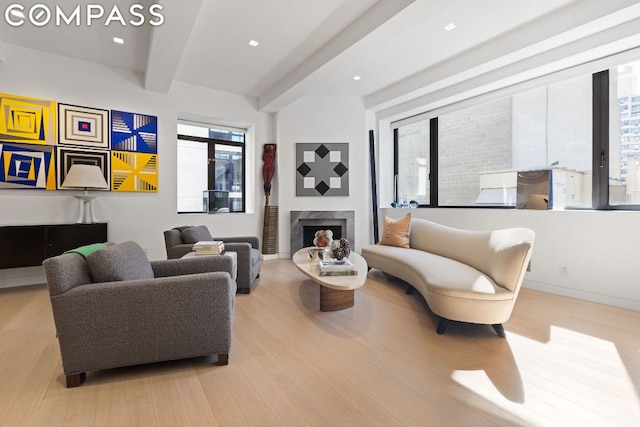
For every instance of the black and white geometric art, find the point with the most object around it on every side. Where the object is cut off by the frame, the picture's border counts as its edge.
(84, 126)
(322, 169)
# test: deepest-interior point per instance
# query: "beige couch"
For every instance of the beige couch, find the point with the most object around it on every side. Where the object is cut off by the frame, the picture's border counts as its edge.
(466, 276)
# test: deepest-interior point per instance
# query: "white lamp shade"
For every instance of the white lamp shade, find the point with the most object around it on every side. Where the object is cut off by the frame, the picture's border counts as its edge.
(85, 177)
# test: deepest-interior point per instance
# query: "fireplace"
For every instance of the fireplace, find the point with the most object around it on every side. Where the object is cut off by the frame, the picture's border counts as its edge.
(342, 223)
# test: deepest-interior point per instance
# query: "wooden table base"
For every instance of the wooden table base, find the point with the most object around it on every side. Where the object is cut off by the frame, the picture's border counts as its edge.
(335, 299)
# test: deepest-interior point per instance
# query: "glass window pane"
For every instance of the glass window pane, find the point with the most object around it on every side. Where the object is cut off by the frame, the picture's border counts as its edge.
(475, 156)
(482, 148)
(192, 175)
(624, 158)
(228, 174)
(413, 163)
(200, 177)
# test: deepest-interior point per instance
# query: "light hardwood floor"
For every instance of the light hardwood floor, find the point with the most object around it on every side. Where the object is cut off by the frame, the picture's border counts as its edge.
(564, 362)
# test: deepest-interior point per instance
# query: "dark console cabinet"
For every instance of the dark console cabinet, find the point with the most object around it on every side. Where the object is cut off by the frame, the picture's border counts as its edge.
(29, 245)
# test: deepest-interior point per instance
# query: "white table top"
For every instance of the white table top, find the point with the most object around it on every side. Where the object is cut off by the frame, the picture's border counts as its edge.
(310, 268)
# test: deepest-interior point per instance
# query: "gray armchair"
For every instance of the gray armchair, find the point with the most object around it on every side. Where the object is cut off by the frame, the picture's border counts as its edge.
(115, 308)
(179, 241)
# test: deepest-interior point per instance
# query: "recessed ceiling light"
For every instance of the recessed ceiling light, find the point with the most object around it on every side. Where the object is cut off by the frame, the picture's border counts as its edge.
(253, 43)
(356, 77)
(118, 40)
(450, 27)
(17, 13)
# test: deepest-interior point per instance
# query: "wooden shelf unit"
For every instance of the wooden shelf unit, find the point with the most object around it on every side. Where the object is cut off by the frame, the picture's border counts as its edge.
(29, 245)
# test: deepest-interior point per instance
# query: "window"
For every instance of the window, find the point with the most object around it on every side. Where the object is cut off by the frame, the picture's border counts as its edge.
(584, 132)
(210, 169)
(475, 156)
(412, 163)
(624, 159)
(482, 149)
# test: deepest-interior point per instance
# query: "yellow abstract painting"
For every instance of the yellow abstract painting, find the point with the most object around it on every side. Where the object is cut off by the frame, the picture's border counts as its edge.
(28, 120)
(136, 172)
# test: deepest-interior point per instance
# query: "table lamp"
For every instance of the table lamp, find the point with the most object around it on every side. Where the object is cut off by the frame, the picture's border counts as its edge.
(85, 177)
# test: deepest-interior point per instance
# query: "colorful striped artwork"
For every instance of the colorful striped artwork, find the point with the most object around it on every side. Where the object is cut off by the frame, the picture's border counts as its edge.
(27, 166)
(41, 139)
(134, 132)
(27, 120)
(70, 156)
(136, 172)
(83, 126)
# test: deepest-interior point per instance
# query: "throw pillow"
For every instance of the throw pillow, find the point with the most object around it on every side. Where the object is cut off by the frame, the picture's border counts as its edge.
(196, 234)
(122, 261)
(395, 232)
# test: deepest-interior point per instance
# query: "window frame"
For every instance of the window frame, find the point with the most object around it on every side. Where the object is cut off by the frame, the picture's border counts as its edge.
(211, 150)
(600, 154)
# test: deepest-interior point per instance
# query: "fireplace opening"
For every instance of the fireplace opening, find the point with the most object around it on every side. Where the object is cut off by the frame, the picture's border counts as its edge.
(341, 223)
(309, 233)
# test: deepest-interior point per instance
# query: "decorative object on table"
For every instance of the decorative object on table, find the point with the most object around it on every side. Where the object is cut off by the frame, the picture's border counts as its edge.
(340, 249)
(337, 268)
(322, 169)
(88, 127)
(209, 247)
(323, 238)
(270, 221)
(315, 254)
(85, 177)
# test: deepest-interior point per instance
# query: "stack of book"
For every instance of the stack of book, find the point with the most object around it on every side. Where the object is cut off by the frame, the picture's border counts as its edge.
(337, 268)
(209, 247)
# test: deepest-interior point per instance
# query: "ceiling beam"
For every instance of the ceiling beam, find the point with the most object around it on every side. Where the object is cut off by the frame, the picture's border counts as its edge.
(3, 51)
(575, 22)
(297, 83)
(167, 42)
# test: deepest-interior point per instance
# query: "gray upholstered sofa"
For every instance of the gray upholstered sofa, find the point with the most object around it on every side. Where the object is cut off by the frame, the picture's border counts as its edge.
(179, 241)
(115, 308)
(466, 276)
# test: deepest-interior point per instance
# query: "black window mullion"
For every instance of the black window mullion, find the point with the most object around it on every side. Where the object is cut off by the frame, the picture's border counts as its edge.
(433, 166)
(600, 126)
(211, 165)
(396, 162)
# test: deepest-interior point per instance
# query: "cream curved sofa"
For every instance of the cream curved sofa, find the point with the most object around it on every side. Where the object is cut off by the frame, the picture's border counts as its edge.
(465, 276)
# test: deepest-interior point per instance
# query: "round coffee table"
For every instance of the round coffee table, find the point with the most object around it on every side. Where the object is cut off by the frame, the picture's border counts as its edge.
(336, 292)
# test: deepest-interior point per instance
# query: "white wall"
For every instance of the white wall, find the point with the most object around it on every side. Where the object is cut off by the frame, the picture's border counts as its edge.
(324, 119)
(131, 216)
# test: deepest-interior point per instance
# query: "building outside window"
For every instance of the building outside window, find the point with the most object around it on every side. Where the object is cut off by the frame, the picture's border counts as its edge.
(481, 149)
(624, 158)
(210, 164)
(413, 163)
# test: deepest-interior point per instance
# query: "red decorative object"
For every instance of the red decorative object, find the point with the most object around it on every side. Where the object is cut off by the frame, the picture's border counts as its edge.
(268, 157)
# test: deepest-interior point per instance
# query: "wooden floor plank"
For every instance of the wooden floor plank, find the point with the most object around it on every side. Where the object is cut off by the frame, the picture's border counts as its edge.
(380, 362)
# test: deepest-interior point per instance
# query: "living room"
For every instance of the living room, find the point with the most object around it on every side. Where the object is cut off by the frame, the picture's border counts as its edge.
(587, 254)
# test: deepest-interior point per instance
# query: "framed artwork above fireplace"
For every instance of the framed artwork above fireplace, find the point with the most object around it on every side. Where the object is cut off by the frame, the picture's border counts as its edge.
(322, 169)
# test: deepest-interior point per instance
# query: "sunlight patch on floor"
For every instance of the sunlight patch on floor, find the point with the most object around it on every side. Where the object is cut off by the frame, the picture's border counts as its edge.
(581, 378)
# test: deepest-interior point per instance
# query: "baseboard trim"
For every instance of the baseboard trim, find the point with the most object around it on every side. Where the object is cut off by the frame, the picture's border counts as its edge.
(629, 304)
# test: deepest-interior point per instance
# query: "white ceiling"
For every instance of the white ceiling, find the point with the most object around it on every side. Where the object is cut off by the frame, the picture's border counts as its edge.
(399, 47)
